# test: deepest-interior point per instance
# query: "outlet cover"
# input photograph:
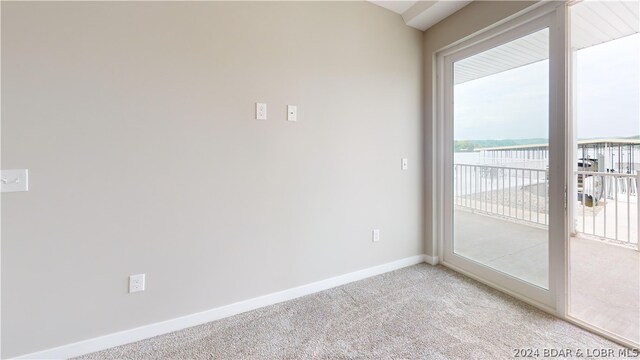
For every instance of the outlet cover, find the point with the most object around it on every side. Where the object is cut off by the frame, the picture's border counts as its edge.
(14, 180)
(136, 283)
(375, 235)
(292, 113)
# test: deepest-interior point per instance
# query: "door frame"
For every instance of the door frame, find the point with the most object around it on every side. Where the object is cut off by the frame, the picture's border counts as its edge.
(554, 16)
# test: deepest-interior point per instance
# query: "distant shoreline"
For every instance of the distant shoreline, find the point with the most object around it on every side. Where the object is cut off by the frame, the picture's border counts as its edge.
(472, 145)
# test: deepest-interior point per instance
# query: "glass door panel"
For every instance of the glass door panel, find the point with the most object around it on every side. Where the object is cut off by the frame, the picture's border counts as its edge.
(604, 261)
(500, 163)
(502, 129)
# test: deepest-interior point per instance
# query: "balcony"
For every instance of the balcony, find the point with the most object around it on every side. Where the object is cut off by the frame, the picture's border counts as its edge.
(501, 220)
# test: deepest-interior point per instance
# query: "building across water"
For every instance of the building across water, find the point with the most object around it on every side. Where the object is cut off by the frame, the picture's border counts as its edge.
(611, 155)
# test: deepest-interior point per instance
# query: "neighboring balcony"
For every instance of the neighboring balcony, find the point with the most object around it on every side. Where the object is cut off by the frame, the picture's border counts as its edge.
(501, 220)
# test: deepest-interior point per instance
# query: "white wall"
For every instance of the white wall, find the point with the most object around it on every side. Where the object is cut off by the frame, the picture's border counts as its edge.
(136, 122)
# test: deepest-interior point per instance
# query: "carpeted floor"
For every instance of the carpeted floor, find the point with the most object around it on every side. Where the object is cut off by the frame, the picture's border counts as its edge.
(419, 312)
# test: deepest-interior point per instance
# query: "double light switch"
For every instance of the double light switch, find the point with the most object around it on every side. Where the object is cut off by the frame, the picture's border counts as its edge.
(261, 112)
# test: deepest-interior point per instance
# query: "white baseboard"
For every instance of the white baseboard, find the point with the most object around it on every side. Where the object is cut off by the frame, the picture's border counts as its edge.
(431, 260)
(164, 327)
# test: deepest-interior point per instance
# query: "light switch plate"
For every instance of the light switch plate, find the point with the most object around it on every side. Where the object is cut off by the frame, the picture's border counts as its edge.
(405, 164)
(292, 113)
(14, 180)
(261, 111)
(375, 235)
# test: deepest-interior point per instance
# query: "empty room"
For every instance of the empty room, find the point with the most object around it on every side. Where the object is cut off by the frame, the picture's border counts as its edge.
(320, 179)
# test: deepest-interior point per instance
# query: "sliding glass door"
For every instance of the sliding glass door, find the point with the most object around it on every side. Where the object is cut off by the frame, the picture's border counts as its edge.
(503, 150)
(537, 161)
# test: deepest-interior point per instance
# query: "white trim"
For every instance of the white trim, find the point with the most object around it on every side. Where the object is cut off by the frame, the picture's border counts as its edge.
(431, 260)
(558, 140)
(602, 332)
(164, 327)
(532, 12)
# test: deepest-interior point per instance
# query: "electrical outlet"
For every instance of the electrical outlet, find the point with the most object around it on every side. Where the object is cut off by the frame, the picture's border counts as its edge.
(375, 235)
(136, 283)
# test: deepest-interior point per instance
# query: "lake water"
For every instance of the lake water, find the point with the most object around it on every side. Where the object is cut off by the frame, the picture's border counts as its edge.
(478, 158)
(611, 160)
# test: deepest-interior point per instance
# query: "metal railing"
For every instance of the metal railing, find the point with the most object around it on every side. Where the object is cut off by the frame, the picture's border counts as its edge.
(512, 192)
(606, 204)
(609, 206)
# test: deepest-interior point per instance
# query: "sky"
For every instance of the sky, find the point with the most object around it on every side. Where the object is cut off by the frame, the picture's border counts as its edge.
(514, 104)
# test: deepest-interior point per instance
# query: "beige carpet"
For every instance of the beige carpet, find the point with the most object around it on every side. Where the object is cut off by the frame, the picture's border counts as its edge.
(420, 312)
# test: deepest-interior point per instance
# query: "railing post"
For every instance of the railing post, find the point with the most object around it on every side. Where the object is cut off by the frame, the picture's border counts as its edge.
(638, 209)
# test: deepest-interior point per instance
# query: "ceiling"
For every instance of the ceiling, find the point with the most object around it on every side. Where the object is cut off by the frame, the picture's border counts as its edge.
(596, 22)
(592, 23)
(523, 51)
(422, 14)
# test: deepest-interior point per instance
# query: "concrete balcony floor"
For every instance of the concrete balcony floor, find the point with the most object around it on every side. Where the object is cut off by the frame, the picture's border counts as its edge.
(604, 288)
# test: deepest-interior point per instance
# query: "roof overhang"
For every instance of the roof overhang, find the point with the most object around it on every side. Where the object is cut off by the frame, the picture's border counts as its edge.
(592, 23)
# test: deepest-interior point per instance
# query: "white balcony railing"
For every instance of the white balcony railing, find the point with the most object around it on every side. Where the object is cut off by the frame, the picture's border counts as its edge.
(512, 192)
(606, 204)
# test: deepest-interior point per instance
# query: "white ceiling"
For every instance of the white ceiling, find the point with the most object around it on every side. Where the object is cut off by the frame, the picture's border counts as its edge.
(596, 22)
(422, 14)
(523, 51)
(395, 6)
